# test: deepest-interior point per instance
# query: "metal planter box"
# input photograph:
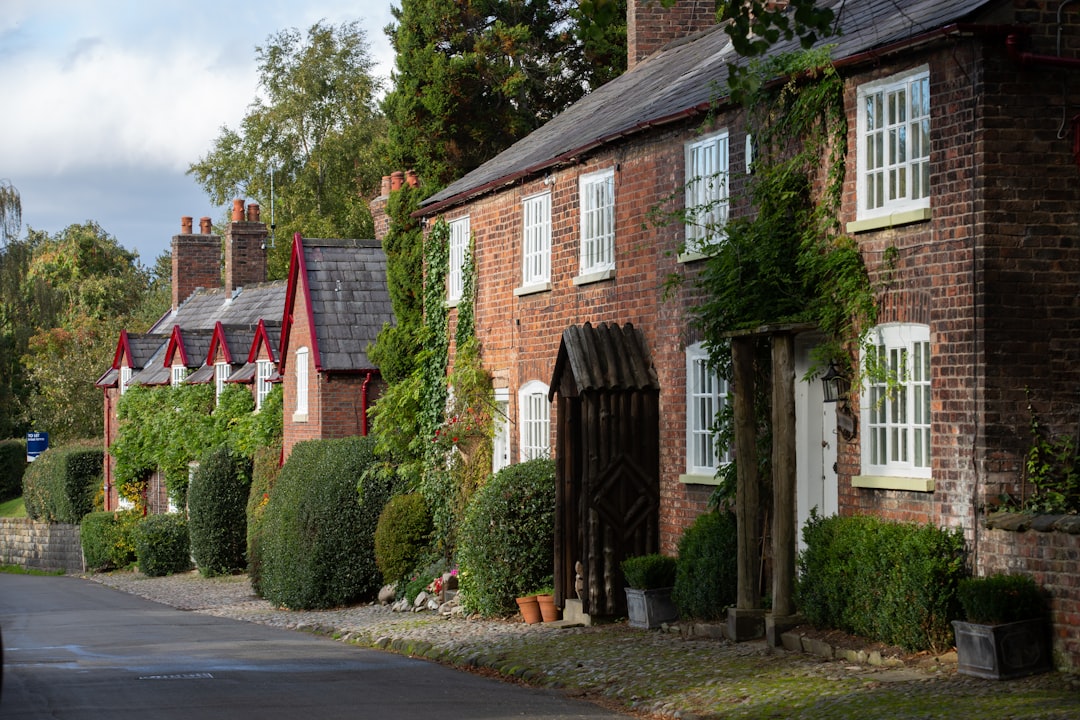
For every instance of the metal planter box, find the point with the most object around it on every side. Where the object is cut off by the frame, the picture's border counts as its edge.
(650, 609)
(1002, 652)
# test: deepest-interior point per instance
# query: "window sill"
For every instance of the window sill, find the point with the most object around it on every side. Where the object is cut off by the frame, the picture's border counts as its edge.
(299, 417)
(695, 479)
(599, 276)
(884, 482)
(692, 256)
(453, 303)
(896, 219)
(532, 289)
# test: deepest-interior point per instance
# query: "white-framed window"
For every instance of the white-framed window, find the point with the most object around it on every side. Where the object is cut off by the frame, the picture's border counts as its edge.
(534, 418)
(179, 372)
(302, 381)
(896, 402)
(221, 374)
(706, 397)
(894, 144)
(597, 191)
(459, 246)
(264, 369)
(706, 191)
(125, 378)
(536, 239)
(500, 455)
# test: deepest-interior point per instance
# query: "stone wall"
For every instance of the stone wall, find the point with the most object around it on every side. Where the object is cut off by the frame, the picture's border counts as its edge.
(39, 545)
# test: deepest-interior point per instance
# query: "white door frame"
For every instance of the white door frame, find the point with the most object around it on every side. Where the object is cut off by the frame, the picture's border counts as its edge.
(817, 486)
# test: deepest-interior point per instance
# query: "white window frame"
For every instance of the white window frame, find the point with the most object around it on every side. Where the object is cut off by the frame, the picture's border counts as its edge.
(500, 455)
(302, 383)
(706, 206)
(263, 370)
(893, 144)
(534, 419)
(536, 240)
(896, 439)
(597, 202)
(459, 247)
(177, 375)
(706, 395)
(221, 374)
(125, 378)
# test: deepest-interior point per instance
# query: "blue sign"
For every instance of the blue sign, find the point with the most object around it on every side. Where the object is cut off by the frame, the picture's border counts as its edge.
(36, 443)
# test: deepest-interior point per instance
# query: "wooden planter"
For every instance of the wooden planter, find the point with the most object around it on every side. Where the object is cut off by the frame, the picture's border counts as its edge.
(1002, 652)
(650, 608)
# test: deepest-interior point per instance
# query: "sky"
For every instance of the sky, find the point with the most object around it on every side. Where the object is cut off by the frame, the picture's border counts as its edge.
(104, 104)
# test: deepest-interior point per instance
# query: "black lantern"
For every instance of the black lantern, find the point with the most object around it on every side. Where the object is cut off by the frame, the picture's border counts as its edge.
(834, 384)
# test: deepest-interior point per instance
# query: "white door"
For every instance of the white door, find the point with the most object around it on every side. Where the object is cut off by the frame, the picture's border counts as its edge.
(816, 441)
(500, 456)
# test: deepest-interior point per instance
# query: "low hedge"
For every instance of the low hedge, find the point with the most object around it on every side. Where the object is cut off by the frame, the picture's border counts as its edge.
(108, 539)
(402, 536)
(12, 467)
(317, 548)
(706, 575)
(61, 484)
(162, 545)
(891, 582)
(217, 512)
(506, 545)
(266, 468)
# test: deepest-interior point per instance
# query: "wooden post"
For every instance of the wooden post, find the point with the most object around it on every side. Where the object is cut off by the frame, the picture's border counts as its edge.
(747, 497)
(784, 474)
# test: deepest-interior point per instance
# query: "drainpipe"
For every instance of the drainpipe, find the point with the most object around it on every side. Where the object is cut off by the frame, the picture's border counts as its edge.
(364, 403)
(1024, 59)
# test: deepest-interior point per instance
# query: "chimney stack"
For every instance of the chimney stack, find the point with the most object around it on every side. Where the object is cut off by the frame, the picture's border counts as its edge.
(196, 260)
(650, 26)
(245, 248)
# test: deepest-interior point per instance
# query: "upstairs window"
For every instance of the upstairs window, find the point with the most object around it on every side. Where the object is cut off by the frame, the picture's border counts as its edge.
(302, 381)
(459, 246)
(536, 240)
(706, 191)
(706, 397)
(179, 372)
(125, 378)
(534, 411)
(263, 370)
(221, 374)
(597, 221)
(894, 144)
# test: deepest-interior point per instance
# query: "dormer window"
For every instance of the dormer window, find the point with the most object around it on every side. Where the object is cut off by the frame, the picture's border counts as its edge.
(179, 372)
(221, 374)
(125, 378)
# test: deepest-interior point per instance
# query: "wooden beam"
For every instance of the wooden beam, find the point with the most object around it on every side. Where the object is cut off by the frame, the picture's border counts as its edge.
(783, 474)
(747, 498)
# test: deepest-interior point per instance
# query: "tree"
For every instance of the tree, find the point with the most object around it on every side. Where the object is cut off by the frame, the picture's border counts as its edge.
(311, 142)
(472, 78)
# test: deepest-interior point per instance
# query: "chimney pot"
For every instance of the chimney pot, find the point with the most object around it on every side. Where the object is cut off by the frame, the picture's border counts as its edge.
(396, 179)
(185, 225)
(253, 212)
(385, 186)
(238, 210)
(205, 227)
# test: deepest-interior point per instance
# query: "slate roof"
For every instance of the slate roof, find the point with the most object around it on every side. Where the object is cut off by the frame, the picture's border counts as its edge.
(605, 357)
(139, 348)
(682, 81)
(347, 299)
(206, 307)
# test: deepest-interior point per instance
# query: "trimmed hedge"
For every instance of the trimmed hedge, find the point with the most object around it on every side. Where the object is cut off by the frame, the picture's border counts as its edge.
(12, 467)
(706, 576)
(162, 545)
(318, 534)
(61, 484)
(891, 582)
(649, 572)
(507, 543)
(266, 469)
(402, 536)
(108, 539)
(217, 512)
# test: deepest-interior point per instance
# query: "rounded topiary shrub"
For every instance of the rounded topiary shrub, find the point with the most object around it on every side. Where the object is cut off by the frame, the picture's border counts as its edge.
(706, 575)
(61, 484)
(217, 512)
(266, 468)
(108, 539)
(162, 546)
(507, 540)
(402, 536)
(318, 535)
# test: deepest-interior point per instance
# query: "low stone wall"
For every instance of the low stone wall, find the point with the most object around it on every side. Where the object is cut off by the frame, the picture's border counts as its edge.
(39, 545)
(1046, 548)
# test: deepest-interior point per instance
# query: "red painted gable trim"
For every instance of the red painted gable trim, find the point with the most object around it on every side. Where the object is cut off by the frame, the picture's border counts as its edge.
(176, 342)
(298, 277)
(216, 340)
(262, 337)
(123, 349)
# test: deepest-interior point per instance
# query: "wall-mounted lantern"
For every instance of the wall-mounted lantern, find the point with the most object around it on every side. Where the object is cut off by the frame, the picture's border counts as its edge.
(835, 384)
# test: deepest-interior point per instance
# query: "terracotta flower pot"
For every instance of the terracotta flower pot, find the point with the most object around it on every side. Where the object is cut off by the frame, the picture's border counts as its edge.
(530, 609)
(548, 610)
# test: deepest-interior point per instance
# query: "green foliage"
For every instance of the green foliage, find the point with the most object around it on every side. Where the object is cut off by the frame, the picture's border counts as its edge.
(162, 545)
(1052, 467)
(506, 544)
(12, 467)
(108, 539)
(318, 531)
(266, 468)
(1001, 598)
(402, 536)
(891, 582)
(217, 512)
(649, 572)
(311, 132)
(706, 578)
(61, 484)
(396, 348)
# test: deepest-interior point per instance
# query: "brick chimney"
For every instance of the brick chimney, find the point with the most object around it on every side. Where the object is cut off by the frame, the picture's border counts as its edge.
(196, 260)
(245, 248)
(390, 183)
(650, 26)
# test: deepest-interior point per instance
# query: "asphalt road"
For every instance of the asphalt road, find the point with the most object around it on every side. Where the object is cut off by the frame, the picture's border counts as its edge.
(75, 649)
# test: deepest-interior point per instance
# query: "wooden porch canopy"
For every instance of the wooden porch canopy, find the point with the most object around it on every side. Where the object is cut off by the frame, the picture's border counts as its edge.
(607, 453)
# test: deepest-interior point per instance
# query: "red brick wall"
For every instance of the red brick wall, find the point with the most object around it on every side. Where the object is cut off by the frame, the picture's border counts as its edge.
(299, 336)
(196, 262)
(111, 397)
(245, 254)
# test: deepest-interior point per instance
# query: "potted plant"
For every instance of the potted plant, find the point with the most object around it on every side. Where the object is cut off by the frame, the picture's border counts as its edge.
(1004, 635)
(530, 609)
(545, 598)
(649, 580)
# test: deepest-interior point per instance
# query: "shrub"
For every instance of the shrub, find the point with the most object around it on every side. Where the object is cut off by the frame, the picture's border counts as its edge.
(60, 485)
(649, 572)
(891, 582)
(507, 540)
(107, 539)
(265, 471)
(706, 577)
(162, 545)
(318, 534)
(12, 467)
(1000, 598)
(217, 512)
(401, 536)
